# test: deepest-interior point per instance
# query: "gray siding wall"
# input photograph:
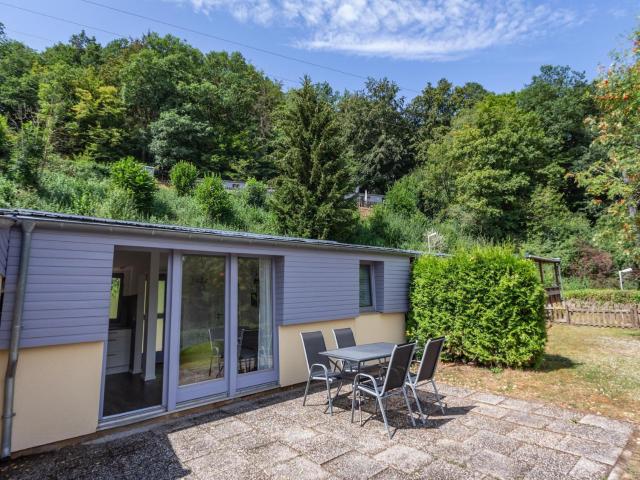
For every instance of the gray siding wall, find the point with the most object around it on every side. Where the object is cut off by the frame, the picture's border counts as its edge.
(396, 284)
(4, 248)
(68, 289)
(319, 286)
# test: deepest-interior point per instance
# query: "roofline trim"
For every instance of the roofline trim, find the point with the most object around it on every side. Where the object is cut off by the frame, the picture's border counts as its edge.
(228, 235)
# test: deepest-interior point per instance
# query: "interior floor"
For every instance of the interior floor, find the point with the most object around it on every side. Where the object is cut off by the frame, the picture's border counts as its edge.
(125, 392)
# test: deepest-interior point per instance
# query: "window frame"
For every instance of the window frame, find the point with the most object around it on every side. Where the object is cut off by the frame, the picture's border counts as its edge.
(372, 286)
(120, 276)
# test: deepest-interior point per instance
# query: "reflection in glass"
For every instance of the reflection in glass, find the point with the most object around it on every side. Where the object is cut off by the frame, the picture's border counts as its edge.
(203, 319)
(255, 326)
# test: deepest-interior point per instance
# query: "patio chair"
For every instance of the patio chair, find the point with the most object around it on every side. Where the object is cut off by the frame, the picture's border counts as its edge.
(426, 372)
(393, 383)
(344, 338)
(319, 366)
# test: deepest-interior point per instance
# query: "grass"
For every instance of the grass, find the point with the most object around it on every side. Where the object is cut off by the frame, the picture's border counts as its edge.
(585, 368)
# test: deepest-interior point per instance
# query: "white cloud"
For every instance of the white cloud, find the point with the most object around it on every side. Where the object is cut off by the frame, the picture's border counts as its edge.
(409, 29)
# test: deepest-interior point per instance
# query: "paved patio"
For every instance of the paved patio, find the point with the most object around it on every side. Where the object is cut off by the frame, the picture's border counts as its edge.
(482, 436)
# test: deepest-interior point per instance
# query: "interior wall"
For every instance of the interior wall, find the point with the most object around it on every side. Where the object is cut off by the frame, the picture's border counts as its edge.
(57, 393)
(367, 328)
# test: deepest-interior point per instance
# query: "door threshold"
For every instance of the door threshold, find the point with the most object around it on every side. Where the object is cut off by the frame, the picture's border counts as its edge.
(127, 418)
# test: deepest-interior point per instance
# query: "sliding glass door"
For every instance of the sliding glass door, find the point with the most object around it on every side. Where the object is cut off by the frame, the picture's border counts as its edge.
(255, 326)
(203, 326)
(226, 331)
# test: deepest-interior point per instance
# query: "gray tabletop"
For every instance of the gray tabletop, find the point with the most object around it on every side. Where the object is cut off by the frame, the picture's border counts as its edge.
(362, 353)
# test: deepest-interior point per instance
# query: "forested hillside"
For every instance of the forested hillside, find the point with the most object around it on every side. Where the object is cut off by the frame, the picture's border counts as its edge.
(552, 168)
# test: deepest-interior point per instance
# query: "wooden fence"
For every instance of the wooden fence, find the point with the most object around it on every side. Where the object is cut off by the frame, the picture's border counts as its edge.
(594, 314)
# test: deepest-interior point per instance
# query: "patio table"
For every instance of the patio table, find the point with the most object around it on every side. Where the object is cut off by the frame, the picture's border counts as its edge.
(360, 354)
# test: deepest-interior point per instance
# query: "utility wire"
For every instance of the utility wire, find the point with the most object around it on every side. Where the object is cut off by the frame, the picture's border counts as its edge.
(18, 32)
(53, 17)
(234, 42)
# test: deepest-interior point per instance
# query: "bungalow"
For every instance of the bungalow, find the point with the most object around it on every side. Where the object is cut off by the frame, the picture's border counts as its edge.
(105, 323)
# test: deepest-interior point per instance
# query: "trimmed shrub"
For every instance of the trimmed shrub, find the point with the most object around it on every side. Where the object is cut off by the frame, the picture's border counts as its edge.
(5, 140)
(487, 302)
(212, 196)
(183, 177)
(603, 295)
(7, 192)
(130, 176)
(255, 193)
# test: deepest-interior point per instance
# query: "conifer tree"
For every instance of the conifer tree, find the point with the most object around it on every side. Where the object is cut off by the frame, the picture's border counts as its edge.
(310, 197)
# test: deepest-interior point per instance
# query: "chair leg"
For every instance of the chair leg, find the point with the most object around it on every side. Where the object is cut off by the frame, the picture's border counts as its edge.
(306, 391)
(210, 364)
(438, 401)
(353, 404)
(384, 417)
(415, 395)
(406, 400)
(329, 396)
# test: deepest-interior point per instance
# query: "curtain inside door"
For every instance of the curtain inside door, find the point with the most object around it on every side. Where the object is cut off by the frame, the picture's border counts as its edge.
(265, 328)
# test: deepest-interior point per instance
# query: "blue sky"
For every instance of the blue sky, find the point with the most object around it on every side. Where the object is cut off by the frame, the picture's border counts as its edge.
(499, 43)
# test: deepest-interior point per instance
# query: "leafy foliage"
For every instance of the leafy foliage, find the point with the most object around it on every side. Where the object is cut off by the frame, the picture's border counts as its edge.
(487, 302)
(131, 177)
(255, 193)
(213, 198)
(28, 155)
(183, 177)
(602, 295)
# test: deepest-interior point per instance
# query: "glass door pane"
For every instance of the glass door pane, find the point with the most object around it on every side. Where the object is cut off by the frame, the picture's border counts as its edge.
(255, 320)
(202, 328)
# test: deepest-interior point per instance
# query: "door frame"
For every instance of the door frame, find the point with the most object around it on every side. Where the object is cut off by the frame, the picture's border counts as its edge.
(233, 383)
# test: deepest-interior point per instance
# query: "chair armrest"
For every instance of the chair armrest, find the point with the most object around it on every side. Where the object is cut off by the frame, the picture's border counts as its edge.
(319, 365)
(370, 377)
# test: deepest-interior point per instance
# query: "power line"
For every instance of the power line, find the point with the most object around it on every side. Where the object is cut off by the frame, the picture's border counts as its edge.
(18, 32)
(234, 42)
(53, 17)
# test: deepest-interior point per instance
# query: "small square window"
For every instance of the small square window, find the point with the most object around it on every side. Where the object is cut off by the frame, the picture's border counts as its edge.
(366, 290)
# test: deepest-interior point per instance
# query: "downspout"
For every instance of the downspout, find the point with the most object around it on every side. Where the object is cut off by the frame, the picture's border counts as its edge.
(14, 343)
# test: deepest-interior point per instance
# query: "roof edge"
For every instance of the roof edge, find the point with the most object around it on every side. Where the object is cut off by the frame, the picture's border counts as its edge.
(97, 222)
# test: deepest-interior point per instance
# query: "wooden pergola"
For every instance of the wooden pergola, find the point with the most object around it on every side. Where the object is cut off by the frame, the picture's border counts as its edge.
(554, 291)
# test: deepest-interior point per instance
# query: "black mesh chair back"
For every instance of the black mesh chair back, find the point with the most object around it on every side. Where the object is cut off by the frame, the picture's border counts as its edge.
(313, 343)
(430, 359)
(344, 337)
(398, 366)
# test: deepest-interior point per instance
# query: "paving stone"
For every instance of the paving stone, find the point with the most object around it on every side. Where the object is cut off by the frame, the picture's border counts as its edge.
(588, 470)
(490, 410)
(489, 398)
(322, 448)
(537, 437)
(227, 429)
(595, 451)
(442, 470)
(497, 465)
(608, 424)
(519, 405)
(557, 412)
(552, 462)
(403, 458)
(390, 474)
(482, 422)
(190, 444)
(450, 390)
(297, 468)
(454, 430)
(527, 419)
(492, 441)
(354, 465)
(292, 433)
(596, 434)
(216, 465)
(452, 451)
(267, 455)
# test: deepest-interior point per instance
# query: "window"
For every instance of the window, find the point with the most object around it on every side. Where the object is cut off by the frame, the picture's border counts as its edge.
(116, 296)
(366, 286)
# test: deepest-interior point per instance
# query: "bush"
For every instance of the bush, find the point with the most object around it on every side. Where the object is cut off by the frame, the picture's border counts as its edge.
(212, 196)
(121, 204)
(487, 302)
(7, 192)
(183, 177)
(130, 176)
(28, 155)
(603, 295)
(255, 193)
(5, 139)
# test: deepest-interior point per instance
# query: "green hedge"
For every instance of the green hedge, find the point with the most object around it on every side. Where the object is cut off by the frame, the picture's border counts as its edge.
(487, 302)
(603, 295)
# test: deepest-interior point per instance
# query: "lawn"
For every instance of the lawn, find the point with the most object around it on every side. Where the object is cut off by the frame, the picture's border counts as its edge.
(586, 368)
